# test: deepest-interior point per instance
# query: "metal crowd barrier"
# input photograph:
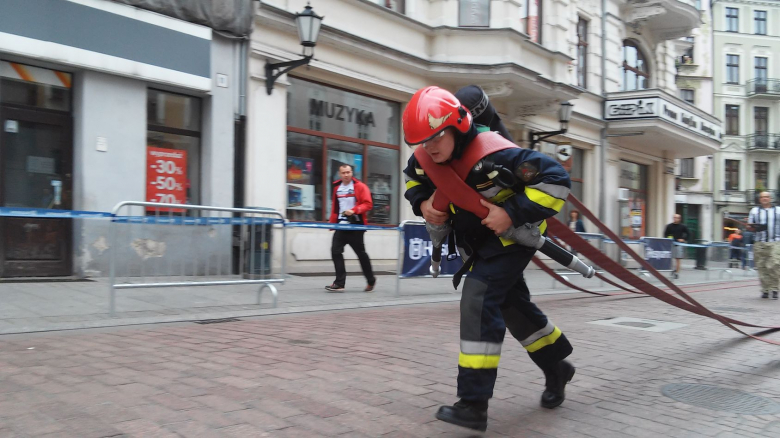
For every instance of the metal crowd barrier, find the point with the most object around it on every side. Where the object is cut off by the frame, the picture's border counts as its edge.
(192, 245)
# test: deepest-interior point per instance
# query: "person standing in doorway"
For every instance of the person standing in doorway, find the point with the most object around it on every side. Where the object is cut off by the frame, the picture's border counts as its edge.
(679, 232)
(766, 249)
(351, 201)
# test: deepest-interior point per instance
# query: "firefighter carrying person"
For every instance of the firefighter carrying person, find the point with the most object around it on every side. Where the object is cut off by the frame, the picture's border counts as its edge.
(495, 296)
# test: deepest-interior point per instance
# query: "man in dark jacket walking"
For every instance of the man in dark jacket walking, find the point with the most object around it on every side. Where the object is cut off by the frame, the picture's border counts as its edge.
(351, 202)
(679, 232)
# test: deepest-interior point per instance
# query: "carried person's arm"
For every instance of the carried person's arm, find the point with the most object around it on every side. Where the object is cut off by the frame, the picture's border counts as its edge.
(546, 186)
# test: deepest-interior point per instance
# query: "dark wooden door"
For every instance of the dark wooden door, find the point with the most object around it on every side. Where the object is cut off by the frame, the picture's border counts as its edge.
(36, 171)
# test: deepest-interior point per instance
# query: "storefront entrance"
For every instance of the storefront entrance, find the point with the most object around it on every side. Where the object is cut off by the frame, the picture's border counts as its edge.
(36, 167)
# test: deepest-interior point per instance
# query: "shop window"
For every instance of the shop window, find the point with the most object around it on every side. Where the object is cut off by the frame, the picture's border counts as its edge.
(633, 208)
(688, 96)
(732, 175)
(173, 122)
(732, 69)
(732, 20)
(761, 174)
(351, 129)
(732, 119)
(636, 74)
(36, 87)
(760, 19)
(582, 53)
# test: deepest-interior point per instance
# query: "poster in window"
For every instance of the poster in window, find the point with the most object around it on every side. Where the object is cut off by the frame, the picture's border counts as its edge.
(381, 194)
(166, 177)
(299, 170)
(300, 190)
(300, 196)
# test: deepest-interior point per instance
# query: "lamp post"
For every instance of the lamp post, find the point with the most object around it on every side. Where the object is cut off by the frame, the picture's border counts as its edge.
(308, 24)
(564, 115)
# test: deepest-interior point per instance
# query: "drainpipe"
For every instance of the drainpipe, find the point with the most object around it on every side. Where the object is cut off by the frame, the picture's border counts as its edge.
(603, 148)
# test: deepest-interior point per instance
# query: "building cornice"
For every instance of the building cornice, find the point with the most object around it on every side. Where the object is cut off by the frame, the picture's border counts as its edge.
(283, 20)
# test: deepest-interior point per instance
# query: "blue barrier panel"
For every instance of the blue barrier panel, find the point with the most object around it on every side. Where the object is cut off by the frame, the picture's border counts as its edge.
(658, 252)
(417, 253)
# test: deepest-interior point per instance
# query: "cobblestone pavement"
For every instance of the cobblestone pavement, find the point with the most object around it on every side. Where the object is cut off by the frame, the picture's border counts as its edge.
(384, 371)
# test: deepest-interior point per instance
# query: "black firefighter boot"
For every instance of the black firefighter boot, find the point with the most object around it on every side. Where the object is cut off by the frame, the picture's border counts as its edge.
(556, 379)
(471, 414)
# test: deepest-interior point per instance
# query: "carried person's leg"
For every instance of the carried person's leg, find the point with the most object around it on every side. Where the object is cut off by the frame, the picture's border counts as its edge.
(356, 241)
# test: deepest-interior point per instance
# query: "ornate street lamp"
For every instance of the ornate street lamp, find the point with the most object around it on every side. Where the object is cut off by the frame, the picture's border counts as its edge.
(564, 115)
(308, 24)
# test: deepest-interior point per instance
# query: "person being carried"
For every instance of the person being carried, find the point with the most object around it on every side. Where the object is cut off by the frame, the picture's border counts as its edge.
(495, 296)
(679, 232)
(351, 201)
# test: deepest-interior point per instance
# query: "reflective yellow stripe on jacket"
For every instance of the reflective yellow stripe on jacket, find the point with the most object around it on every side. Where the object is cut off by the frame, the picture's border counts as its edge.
(544, 199)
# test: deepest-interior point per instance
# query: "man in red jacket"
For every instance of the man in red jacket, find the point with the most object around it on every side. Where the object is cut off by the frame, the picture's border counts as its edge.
(351, 202)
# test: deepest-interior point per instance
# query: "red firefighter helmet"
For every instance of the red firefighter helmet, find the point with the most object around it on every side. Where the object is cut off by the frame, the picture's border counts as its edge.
(431, 111)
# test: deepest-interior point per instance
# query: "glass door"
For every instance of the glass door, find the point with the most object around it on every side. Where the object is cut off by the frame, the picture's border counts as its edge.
(36, 165)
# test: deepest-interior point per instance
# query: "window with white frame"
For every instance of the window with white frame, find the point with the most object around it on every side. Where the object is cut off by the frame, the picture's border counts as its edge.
(686, 168)
(687, 95)
(732, 19)
(760, 20)
(732, 175)
(582, 53)
(732, 69)
(636, 75)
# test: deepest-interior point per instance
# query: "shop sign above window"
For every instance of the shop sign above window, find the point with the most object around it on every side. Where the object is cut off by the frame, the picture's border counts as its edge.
(656, 107)
(321, 108)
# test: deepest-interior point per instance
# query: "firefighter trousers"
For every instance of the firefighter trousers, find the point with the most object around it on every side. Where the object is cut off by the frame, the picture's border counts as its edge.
(495, 297)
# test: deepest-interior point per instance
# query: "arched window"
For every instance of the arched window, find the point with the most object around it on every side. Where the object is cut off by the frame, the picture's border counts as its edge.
(635, 70)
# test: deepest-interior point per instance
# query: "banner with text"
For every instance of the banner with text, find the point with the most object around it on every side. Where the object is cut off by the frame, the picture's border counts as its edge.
(658, 252)
(417, 253)
(166, 177)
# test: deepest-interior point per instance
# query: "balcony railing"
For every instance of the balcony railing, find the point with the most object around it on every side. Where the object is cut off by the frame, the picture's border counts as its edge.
(764, 141)
(763, 86)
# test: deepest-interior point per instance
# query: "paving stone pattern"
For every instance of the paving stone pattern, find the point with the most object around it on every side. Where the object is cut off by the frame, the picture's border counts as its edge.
(382, 372)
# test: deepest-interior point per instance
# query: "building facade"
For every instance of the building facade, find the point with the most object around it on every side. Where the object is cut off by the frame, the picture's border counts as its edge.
(614, 60)
(93, 93)
(695, 177)
(746, 43)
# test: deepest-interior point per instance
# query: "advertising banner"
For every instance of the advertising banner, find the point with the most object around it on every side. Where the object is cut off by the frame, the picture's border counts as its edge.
(166, 177)
(417, 253)
(658, 252)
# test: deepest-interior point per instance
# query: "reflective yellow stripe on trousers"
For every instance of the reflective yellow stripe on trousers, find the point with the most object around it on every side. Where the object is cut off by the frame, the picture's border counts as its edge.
(479, 355)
